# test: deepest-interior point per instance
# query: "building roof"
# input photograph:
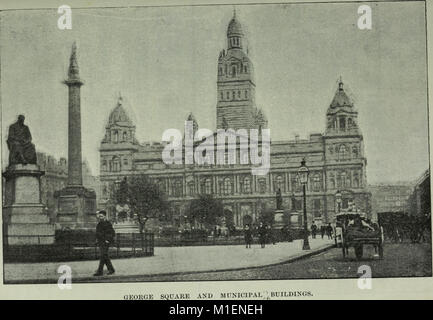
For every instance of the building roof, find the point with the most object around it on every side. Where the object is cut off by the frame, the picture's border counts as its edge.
(341, 99)
(119, 116)
(234, 27)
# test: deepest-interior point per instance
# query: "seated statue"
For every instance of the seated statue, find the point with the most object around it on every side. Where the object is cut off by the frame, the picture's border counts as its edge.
(21, 148)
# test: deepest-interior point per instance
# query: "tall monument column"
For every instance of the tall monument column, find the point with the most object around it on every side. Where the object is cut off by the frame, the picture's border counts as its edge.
(76, 205)
(74, 83)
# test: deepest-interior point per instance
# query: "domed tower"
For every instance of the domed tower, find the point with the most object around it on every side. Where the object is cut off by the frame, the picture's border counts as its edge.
(235, 84)
(119, 142)
(344, 153)
(342, 117)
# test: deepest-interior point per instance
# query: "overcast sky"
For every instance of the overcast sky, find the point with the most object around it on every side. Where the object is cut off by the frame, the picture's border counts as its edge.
(164, 61)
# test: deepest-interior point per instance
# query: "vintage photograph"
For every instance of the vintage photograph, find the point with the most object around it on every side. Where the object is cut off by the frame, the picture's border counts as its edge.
(215, 142)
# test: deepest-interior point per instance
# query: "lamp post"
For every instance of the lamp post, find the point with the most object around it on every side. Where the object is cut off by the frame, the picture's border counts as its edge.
(338, 199)
(303, 178)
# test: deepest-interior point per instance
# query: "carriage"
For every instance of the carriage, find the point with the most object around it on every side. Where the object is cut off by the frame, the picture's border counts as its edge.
(356, 232)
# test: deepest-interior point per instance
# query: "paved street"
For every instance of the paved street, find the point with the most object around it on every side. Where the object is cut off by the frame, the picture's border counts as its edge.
(169, 260)
(401, 260)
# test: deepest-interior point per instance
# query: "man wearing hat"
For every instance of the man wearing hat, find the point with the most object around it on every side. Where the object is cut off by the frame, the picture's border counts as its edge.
(104, 237)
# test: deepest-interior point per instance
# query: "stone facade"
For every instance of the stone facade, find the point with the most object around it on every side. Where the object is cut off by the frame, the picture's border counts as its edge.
(336, 158)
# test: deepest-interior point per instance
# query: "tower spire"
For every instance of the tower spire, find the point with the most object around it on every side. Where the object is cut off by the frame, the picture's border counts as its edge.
(73, 72)
(340, 83)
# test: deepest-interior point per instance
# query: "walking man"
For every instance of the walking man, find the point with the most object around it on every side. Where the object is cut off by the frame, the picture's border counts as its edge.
(104, 237)
(262, 235)
(248, 236)
(313, 230)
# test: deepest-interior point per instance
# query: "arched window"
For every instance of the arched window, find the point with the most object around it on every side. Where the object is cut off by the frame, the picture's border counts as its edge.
(104, 165)
(317, 185)
(125, 136)
(115, 164)
(245, 69)
(342, 122)
(342, 152)
(343, 179)
(349, 123)
(116, 136)
(279, 183)
(228, 95)
(356, 180)
(191, 188)
(227, 186)
(233, 71)
(262, 185)
(178, 188)
(222, 95)
(233, 95)
(355, 151)
(208, 186)
(247, 185)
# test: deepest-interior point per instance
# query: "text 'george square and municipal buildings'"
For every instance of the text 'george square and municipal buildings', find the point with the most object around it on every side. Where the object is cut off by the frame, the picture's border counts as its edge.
(336, 158)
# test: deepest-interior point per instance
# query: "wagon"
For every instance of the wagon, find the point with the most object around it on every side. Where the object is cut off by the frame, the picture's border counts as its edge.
(355, 234)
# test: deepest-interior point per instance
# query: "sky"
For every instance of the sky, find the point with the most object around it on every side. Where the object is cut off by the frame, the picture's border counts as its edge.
(163, 60)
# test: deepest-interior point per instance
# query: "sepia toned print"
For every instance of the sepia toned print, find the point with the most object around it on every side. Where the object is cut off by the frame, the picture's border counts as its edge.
(215, 142)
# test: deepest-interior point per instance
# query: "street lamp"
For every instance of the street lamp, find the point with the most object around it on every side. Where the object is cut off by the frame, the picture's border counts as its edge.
(303, 178)
(338, 199)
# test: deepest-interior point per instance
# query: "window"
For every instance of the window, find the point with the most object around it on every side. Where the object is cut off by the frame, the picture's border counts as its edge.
(298, 205)
(246, 94)
(208, 186)
(115, 164)
(228, 95)
(115, 136)
(296, 186)
(279, 183)
(227, 186)
(262, 185)
(239, 94)
(104, 165)
(331, 150)
(220, 71)
(245, 69)
(317, 186)
(191, 188)
(247, 185)
(316, 208)
(233, 71)
(125, 162)
(177, 188)
(342, 155)
(356, 180)
(355, 151)
(343, 179)
(342, 122)
(234, 95)
(125, 136)
(222, 95)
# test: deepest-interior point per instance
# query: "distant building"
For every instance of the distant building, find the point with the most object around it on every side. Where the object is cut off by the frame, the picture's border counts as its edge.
(335, 158)
(420, 202)
(389, 198)
(55, 178)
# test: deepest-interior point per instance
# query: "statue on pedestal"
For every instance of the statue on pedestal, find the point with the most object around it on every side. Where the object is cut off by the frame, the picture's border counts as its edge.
(21, 148)
(279, 199)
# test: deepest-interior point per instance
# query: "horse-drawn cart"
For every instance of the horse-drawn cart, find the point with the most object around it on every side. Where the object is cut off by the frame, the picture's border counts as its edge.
(356, 232)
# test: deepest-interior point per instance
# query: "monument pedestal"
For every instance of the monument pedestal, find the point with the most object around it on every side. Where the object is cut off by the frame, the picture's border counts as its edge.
(76, 208)
(279, 219)
(25, 221)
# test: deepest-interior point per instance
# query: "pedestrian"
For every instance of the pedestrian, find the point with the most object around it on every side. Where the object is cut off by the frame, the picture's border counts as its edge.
(322, 231)
(313, 230)
(248, 236)
(104, 237)
(329, 231)
(262, 235)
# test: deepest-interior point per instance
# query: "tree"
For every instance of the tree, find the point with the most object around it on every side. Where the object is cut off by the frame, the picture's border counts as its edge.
(206, 210)
(144, 197)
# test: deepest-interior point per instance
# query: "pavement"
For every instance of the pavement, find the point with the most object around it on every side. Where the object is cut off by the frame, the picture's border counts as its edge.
(171, 260)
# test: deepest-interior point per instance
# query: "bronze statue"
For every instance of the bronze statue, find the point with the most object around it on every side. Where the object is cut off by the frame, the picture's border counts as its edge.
(21, 148)
(279, 199)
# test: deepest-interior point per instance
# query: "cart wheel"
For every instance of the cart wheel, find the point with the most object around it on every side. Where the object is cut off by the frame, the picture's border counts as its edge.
(381, 250)
(358, 251)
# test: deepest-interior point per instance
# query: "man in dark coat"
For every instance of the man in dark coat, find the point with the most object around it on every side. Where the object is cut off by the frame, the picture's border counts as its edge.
(104, 237)
(248, 236)
(262, 234)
